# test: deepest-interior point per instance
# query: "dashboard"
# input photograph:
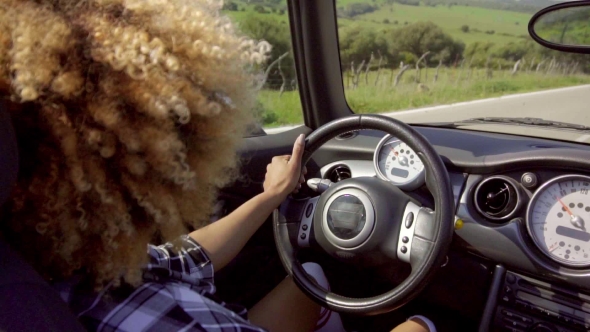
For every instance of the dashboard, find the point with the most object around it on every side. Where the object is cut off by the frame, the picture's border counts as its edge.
(522, 203)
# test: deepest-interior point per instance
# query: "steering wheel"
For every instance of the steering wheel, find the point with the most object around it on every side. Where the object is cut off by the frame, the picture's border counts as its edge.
(362, 217)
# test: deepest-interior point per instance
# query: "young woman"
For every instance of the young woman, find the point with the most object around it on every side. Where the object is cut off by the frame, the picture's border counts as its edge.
(127, 115)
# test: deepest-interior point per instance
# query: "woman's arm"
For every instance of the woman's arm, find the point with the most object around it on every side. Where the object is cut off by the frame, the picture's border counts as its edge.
(223, 239)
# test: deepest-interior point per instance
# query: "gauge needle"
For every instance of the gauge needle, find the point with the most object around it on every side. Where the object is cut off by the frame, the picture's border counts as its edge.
(567, 209)
(577, 221)
(553, 247)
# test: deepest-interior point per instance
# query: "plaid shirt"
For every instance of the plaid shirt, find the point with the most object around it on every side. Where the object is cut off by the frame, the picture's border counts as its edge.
(177, 296)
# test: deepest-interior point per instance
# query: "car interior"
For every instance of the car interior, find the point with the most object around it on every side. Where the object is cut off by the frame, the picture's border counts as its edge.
(478, 228)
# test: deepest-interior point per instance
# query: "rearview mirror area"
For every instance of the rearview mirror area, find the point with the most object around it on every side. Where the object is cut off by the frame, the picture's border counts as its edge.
(564, 27)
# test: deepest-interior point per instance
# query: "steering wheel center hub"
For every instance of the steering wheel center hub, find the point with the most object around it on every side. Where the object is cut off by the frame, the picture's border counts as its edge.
(349, 218)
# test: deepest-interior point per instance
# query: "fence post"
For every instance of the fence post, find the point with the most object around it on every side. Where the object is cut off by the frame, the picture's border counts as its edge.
(368, 68)
(284, 80)
(531, 65)
(268, 69)
(437, 69)
(401, 65)
(417, 77)
(515, 69)
(378, 68)
(357, 74)
(399, 75)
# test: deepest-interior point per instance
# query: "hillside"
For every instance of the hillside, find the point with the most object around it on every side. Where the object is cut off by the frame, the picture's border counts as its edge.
(485, 24)
(497, 26)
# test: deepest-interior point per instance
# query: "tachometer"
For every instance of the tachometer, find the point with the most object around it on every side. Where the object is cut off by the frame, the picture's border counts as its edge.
(558, 219)
(396, 162)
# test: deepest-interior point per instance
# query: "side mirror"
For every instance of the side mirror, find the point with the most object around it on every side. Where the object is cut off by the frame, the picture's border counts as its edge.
(564, 27)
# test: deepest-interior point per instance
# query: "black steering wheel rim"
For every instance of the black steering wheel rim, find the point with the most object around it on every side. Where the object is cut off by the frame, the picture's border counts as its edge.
(437, 181)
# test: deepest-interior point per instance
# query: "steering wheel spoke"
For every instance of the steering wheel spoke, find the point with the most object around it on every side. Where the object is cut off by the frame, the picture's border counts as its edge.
(297, 215)
(423, 237)
(410, 236)
(406, 226)
(306, 225)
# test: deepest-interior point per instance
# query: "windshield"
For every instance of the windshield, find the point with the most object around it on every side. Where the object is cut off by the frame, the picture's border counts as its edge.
(427, 61)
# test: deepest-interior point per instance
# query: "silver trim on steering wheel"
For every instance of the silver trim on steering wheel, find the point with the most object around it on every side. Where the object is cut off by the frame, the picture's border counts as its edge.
(414, 210)
(369, 219)
(306, 221)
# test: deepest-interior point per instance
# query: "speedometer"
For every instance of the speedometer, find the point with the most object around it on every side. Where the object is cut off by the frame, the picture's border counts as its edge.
(396, 162)
(558, 219)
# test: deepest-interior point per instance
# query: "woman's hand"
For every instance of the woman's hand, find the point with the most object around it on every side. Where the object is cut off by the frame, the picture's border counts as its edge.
(223, 239)
(284, 174)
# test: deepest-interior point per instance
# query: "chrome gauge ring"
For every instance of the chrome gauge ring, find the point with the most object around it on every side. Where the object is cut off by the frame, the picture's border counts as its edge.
(558, 219)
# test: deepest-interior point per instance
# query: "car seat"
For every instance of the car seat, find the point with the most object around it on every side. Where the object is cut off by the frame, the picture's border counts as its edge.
(27, 302)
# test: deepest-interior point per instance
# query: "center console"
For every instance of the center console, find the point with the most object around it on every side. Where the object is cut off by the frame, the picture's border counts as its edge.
(519, 303)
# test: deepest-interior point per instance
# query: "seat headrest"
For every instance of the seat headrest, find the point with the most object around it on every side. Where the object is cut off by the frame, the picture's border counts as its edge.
(8, 154)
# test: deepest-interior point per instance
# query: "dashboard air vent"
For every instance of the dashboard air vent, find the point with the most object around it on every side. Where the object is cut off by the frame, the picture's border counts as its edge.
(339, 173)
(497, 198)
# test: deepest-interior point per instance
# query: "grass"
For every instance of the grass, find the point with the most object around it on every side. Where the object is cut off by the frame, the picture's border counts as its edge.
(452, 86)
(280, 110)
(249, 12)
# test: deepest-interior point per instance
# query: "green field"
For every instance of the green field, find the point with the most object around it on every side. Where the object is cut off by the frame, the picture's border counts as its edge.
(507, 25)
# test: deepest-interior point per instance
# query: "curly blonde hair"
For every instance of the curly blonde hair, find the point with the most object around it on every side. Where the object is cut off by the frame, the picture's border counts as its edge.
(127, 114)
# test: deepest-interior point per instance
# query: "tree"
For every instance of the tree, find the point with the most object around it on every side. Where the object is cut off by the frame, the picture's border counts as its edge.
(421, 37)
(260, 9)
(357, 45)
(478, 52)
(409, 2)
(514, 51)
(355, 9)
(230, 6)
(465, 28)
